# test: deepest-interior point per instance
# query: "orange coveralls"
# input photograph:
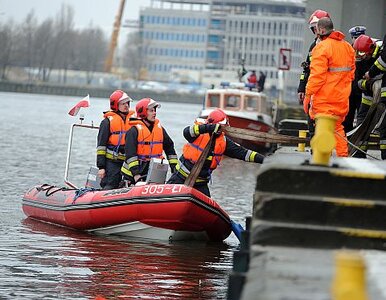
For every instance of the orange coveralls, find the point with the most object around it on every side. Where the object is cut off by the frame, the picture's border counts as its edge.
(329, 86)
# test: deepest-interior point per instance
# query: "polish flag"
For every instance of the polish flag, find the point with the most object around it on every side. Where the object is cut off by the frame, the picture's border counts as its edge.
(85, 102)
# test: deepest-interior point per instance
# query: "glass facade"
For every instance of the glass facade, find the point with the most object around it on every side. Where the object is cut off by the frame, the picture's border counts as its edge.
(219, 36)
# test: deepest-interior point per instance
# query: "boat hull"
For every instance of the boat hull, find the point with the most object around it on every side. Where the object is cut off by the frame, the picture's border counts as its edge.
(165, 211)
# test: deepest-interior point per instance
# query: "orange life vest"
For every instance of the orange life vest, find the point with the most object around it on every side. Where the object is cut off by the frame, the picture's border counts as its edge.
(118, 127)
(150, 144)
(192, 151)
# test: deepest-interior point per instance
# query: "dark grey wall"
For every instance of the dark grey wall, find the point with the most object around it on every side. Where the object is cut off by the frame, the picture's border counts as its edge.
(348, 13)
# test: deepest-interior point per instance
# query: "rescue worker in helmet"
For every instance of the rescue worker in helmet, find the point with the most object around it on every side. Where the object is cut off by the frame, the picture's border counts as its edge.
(329, 86)
(367, 51)
(312, 21)
(198, 136)
(361, 66)
(373, 51)
(146, 139)
(111, 140)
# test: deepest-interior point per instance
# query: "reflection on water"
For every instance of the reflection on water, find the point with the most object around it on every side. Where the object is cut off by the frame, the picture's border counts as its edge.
(81, 265)
(41, 261)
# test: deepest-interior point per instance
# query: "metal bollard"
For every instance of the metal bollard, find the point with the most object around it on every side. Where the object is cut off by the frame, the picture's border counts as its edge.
(349, 282)
(323, 141)
(302, 146)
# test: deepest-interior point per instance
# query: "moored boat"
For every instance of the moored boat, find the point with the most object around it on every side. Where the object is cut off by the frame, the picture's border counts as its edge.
(247, 109)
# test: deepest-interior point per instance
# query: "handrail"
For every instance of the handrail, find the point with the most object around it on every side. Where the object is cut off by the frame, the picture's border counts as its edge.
(66, 180)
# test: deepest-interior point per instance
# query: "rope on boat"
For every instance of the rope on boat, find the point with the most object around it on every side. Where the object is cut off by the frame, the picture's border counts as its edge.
(51, 189)
(80, 192)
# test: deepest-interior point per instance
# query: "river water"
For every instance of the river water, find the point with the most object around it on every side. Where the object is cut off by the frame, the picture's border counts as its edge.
(41, 261)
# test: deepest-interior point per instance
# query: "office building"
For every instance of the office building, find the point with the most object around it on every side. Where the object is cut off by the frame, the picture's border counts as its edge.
(209, 39)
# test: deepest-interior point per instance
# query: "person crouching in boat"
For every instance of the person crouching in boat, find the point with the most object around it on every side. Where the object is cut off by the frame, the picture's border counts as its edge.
(146, 139)
(111, 140)
(198, 136)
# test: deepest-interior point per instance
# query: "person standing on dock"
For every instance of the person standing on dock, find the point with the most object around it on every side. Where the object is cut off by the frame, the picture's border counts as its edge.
(198, 136)
(146, 139)
(111, 140)
(312, 21)
(329, 85)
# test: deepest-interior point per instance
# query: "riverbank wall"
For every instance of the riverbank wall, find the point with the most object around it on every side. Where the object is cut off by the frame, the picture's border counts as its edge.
(81, 91)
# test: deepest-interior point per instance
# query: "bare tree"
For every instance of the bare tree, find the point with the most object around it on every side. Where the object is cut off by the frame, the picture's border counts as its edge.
(26, 42)
(65, 39)
(91, 52)
(134, 55)
(6, 46)
(42, 42)
(52, 44)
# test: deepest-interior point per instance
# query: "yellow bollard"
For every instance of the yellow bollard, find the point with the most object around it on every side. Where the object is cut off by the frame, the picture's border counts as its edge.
(302, 146)
(323, 141)
(349, 281)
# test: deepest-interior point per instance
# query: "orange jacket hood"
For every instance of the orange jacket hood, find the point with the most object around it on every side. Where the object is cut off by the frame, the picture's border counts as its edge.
(337, 35)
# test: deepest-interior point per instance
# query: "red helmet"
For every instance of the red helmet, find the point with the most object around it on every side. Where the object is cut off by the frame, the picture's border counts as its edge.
(217, 116)
(143, 105)
(315, 17)
(364, 46)
(116, 97)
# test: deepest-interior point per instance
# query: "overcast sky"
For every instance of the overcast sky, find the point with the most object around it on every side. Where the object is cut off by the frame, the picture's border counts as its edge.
(99, 12)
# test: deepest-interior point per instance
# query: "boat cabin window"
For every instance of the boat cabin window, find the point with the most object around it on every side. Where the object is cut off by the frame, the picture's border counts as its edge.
(254, 104)
(232, 102)
(213, 100)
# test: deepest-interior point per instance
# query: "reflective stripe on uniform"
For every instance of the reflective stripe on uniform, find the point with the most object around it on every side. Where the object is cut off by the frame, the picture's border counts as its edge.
(375, 53)
(363, 84)
(302, 76)
(194, 130)
(367, 100)
(132, 162)
(173, 161)
(125, 170)
(111, 154)
(339, 69)
(382, 144)
(101, 150)
(250, 156)
(383, 92)
(364, 147)
(380, 64)
(185, 172)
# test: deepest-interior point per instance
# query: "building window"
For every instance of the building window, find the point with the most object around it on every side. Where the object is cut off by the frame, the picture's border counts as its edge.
(214, 39)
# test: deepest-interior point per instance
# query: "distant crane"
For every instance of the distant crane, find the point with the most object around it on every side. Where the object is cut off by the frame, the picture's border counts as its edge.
(114, 38)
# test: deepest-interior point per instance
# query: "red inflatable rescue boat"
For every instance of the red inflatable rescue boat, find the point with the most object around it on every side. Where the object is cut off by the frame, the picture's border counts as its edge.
(158, 211)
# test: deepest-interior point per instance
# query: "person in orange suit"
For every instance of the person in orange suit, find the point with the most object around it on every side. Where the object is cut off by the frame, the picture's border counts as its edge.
(329, 86)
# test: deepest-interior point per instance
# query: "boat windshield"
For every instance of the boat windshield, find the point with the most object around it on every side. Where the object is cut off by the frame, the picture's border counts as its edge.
(232, 102)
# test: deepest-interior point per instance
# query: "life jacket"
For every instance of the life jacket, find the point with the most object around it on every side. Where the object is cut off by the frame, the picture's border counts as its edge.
(150, 144)
(192, 151)
(118, 127)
